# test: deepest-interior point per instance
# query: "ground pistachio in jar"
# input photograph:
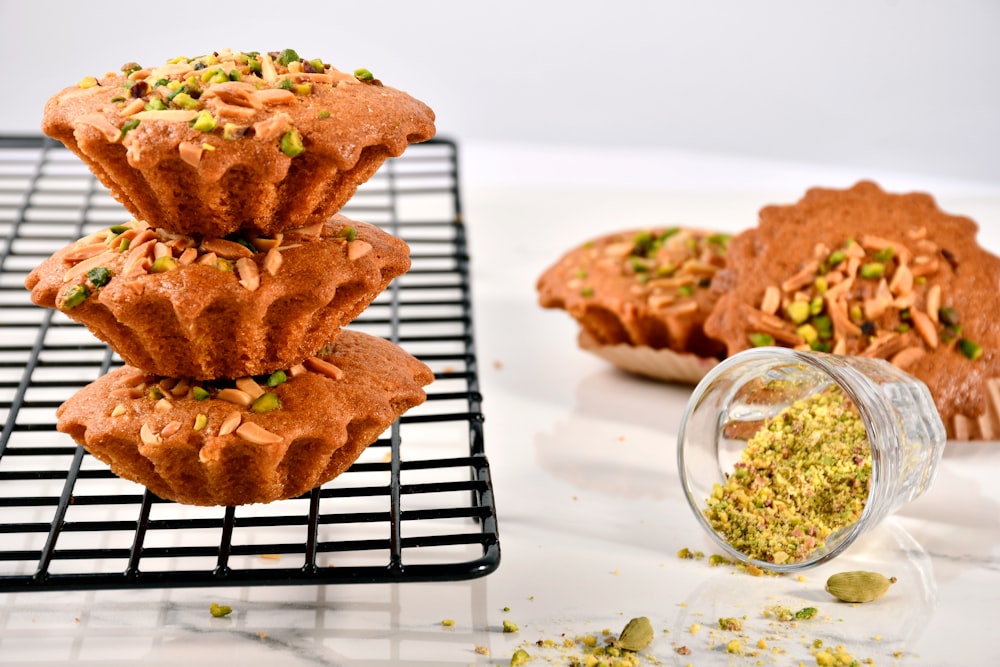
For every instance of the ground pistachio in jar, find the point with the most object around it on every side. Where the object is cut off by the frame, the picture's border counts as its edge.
(803, 475)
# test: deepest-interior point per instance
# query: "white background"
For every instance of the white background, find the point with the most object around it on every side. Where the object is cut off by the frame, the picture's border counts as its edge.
(911, 86)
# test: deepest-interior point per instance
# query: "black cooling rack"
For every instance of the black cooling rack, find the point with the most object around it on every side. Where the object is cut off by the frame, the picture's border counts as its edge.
(417, 506)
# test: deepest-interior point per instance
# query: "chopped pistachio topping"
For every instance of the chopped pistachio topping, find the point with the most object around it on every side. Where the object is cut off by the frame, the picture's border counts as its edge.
(758, 339)
(970, 349)
(74, 296)
(872, 270)
(363, 75)
(204, 121)
(291, 143)
(276, 378)
(266, 402)
(163, 264)
(871, 296)
(200, 422)
(220, 610)
(99, 276)
(130, 125)
(802, 476)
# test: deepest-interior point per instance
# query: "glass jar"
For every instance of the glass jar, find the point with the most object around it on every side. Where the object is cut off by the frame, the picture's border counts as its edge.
(903, 427)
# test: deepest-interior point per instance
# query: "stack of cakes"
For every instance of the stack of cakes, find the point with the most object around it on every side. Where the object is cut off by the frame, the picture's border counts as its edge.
(227, 294)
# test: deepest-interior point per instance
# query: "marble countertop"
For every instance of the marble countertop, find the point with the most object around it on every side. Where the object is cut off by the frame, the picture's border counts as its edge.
(591, 514)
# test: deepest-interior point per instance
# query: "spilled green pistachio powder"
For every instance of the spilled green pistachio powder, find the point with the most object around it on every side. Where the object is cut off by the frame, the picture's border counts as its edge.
(801, 477)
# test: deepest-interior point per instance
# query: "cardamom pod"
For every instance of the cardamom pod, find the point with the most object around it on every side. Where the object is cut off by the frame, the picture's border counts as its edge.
(858, 586)
(637, 635)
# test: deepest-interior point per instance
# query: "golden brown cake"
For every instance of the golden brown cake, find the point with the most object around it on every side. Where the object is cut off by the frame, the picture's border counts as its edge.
(640, 298)
(253, 440)
(865, 272)
(231, 141)
(181, 306)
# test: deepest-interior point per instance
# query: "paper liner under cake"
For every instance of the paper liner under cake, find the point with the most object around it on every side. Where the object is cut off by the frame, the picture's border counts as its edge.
(657, 364)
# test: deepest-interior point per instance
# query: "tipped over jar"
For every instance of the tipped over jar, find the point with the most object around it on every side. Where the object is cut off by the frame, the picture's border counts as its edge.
(787, 457)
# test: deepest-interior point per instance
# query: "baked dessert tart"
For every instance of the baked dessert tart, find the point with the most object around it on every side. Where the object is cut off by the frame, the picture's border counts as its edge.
(861, 271)
(184, 306)
(235, 140)
(253, 439)
(640, 297)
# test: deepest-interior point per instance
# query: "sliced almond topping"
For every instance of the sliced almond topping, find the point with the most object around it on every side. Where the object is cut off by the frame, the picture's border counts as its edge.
(257, 434)
(619, 250)
(840, 346)
(925, 327)
(905, 301)
(875, 243)
(839, 289)
(842, 324)
(804, 277)
(902, 280)
(237, 396)
(209, 258)
(879, 303)
(138, 261)
(311, 231)
(188, 256)
(101, 124)
(225, 248)
(249, 277)
(81, 251)
(163, 405)
(240, 93)
(271, 96)
(230, 423)
(273, 127)
(231, 111)
(924, 266)
(147, 436)
(171, 69)
(885, 345)
(323, 367)
(916, 233)
(170, 429)
(772, 325)
(161, 249)
(658, 301)
(267, 71)
(133, 107)
(315, 77)
(250, 386)
(118, 411)
(134, 378)
(169, 115)
(905, 357)
(358, 249)
(190, 152)
(686, 308)
(181, 388)
(297, 370)
(933, 302)
(141, 236)
(80, 269)
(272, 261)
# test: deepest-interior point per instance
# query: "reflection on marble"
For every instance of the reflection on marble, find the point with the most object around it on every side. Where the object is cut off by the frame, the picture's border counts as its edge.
(881, 630)
(367, 626)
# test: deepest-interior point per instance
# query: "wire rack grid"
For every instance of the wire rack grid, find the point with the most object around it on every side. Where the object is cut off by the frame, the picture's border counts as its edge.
(417, 506)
